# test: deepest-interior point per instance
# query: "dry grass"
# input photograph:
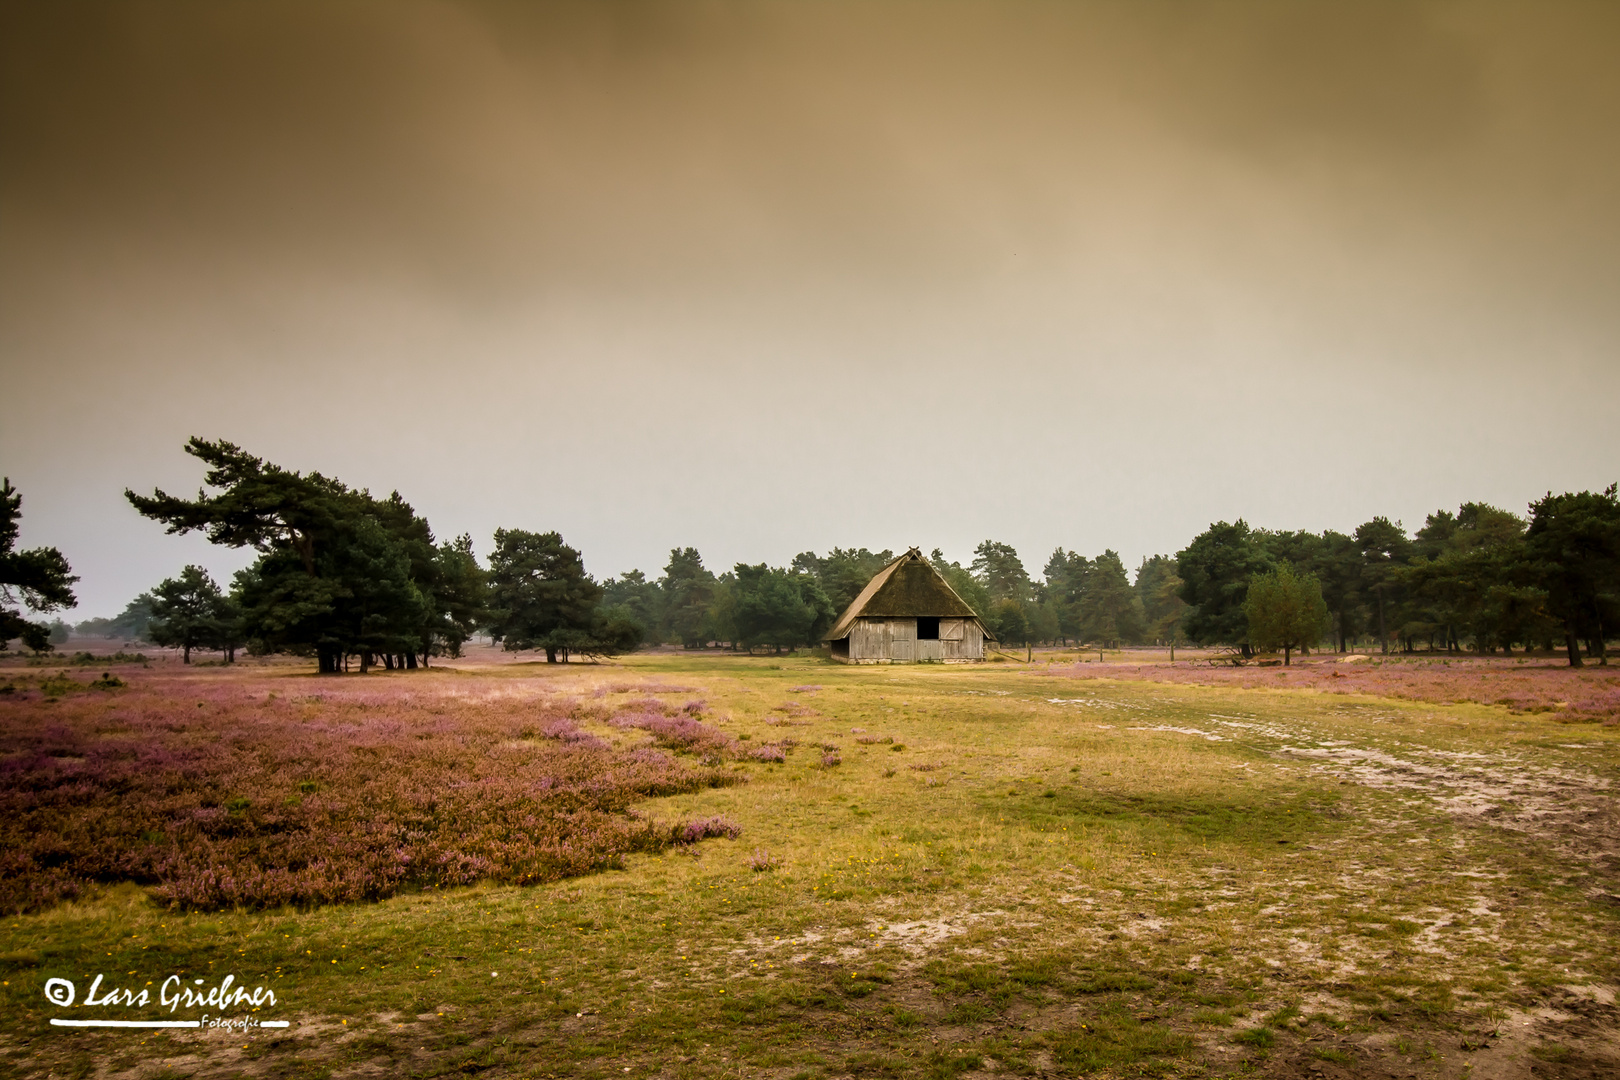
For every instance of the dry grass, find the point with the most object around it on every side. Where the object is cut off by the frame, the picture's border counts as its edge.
(1052, 875)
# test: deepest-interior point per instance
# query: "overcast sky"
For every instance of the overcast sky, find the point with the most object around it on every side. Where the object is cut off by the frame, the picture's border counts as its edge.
(760, 278)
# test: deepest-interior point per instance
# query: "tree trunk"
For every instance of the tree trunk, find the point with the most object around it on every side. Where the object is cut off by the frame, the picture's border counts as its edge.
(185, 654)
(1383, 634)
(1574, 648)
(551, 654)
(1602, 648)
(365, 662)
(388, 661)
(410, 660)
(1285, 656)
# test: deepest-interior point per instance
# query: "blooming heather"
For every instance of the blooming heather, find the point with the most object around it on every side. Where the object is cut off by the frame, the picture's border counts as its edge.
(1565, 694)
(261, 791)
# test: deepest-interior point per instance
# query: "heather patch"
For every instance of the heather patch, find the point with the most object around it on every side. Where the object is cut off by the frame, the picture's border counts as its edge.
(1538, 686)
(223, 796)
(646, 688)
(681, 732)
(705, 828)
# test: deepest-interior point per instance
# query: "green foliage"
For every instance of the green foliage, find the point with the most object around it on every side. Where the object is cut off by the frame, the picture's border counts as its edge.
(131, 623)
(843, 573)
(1110, 613)
(541, 597)
(1116, 1040)
(1337, 565)
(963, 583)
(40, 579)
(340, 572)
(1472, 577)
(1063, 588)
(1158, 588)
(776, 607)
(1044, 622)
(190, 612)
(1575, 542)
(458, 595)
(687, 591)
(1215, 571)
(997, 567)
(632, 598)
(1008, 622)
(1285, 610)
(1384, 548)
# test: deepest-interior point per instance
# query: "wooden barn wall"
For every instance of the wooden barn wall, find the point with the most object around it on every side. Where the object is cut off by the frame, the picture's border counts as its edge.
(963, 640)
(895, 641)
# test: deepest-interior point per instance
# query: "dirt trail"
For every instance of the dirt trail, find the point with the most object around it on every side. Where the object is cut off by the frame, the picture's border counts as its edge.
(1553, 807)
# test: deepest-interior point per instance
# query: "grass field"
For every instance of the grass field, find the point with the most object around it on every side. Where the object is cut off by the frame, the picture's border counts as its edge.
(996, 870)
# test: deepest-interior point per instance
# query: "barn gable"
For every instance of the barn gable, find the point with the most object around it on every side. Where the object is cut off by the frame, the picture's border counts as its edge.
(883, 619)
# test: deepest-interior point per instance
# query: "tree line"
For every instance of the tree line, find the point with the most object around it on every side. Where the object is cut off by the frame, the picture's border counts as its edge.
(1479, 579)
(347, 577)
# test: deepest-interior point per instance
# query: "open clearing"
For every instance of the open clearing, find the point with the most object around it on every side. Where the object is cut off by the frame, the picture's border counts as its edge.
(967, 871)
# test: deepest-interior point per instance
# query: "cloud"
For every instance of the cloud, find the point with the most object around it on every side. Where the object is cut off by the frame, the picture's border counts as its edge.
(557, 265)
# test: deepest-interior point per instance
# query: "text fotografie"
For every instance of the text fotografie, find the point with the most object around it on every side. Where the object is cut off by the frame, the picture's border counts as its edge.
(174, 993)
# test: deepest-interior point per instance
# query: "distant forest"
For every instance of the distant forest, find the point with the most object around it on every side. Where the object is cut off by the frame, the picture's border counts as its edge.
(353, 579)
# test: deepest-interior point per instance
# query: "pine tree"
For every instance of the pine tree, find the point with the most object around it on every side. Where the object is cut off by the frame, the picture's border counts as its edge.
(188, 612)
(39, 579)
(1285, 610)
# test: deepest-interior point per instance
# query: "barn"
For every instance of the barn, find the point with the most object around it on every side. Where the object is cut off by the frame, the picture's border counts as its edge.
(908, 614)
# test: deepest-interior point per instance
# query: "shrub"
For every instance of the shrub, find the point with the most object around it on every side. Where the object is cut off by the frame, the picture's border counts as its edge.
(340, 795)
(704, 828)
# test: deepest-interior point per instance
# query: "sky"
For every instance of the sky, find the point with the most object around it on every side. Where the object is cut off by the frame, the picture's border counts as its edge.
(762, 278)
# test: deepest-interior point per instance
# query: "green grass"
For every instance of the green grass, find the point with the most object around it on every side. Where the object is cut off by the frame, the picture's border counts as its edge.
(1052, 885)
(1116, 1040)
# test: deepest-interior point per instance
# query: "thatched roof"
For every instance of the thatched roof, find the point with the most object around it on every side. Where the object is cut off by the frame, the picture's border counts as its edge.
(909, 586)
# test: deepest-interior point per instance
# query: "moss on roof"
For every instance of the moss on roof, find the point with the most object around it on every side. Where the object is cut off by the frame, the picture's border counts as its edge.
(907, 587)
(915, 588)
